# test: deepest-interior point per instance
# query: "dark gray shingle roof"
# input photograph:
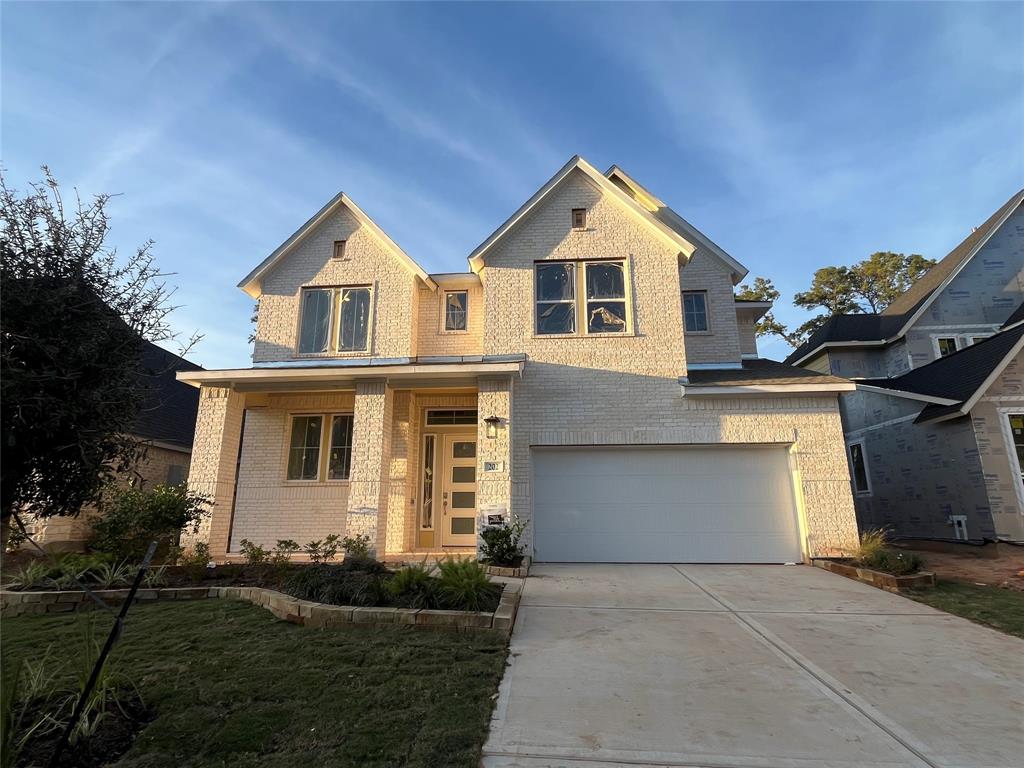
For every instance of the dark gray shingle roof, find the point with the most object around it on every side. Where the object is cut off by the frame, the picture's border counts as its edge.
(761, 371)
(168, 414)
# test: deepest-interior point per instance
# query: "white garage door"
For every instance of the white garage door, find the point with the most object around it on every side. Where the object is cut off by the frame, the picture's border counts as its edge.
(706, 504)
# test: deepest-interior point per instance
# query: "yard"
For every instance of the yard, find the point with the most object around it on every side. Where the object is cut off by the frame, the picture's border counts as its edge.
(231, 685)
(996, 607)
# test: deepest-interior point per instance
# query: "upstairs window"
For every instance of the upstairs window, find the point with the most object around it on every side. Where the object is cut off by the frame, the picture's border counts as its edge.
(456, 306)
(945, 345)
(556, 298)
(695, 311)
(579, 218)
(315, 330)
(606, 297)
(339, 250)
(354, 319)
(859, 469)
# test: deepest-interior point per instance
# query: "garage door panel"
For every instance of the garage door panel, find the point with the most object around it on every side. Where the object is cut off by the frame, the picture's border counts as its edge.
(694, 504)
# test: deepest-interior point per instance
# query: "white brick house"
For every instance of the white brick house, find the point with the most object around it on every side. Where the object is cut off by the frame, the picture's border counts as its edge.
(592, 375)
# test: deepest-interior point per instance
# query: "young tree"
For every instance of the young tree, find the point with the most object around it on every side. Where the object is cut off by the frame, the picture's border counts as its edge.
(763, 289)
(71, 374)
(884, 276)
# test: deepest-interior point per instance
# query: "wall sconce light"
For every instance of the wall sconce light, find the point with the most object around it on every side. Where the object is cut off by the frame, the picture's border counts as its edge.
(492, 423)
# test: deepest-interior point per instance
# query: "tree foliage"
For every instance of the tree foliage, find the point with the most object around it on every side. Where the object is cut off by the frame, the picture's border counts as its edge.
(74, 318)
(762, 289)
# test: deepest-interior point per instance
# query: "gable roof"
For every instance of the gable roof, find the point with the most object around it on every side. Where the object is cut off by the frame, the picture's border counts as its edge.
(894, 321)
(168, 412)
(577, 163)
(961, 377)
(663, 213)
(251, 282)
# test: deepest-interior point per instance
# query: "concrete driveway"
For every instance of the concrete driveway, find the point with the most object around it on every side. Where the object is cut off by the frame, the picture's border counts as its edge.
(788, 667)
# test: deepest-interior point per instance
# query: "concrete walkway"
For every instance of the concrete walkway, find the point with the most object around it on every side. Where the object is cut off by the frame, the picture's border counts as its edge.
(752, 666)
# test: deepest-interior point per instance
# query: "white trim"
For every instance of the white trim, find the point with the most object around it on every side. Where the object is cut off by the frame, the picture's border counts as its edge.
(1012, 209)
(443, 324)
(825, 346)
(165, 446)
(880, 425)
(908, 395)
(715, 366)
(1002, 398)
(750, 356)
(992, 326)
(666, 233)
(1011, 452)
(866, 492)
(935, 337)
(251, 282)
(453, 280)
(689, 390)
(995, 374)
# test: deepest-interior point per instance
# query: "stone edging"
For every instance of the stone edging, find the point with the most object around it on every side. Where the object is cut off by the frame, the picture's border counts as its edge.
(286, 607)
(886, 581)
(511, 573)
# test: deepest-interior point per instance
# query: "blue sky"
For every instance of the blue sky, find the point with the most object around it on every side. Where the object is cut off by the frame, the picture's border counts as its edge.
(794, 135)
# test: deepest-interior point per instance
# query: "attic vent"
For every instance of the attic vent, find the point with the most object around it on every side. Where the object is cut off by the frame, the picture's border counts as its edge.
(339, 250)
(579, 218)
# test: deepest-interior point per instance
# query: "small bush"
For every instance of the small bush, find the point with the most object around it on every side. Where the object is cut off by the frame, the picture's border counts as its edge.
(131, 518)
(363, 565)
(413, 586)
(501, 543)
(463, 586)
(155, 577)
(875, 553)
(32, 574)
(871, 543)
(357, 547)
(195, 562)
(281, 557)
(254, 554)
(110, 576)
(323, 550)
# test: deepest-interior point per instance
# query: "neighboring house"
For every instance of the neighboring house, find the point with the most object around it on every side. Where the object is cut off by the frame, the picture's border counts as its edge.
(592, 375)
(935, 430)
(166, 425)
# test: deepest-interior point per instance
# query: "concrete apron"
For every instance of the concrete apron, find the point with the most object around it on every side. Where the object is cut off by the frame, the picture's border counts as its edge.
(748, 666)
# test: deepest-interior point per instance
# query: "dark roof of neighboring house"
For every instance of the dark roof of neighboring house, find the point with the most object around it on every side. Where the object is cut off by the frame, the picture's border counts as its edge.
(761, 371)
(888, 323)
(957, 376)
(169, 412)
(1016, 317)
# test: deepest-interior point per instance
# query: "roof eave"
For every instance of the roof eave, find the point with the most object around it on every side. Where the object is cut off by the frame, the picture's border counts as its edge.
(906, 394)
(761, 390)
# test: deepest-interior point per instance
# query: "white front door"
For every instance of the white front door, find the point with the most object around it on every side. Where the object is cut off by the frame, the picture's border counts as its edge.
(458, 491)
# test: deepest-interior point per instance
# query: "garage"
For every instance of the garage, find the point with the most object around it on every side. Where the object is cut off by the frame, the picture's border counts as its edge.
(694, 504)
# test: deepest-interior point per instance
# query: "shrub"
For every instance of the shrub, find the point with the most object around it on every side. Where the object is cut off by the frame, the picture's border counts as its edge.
(875, 553)
(108, 575)
(871, 543)
(335, 585)
(501, 543)
(131, 518)
(195, 562)
(463, 585)
(357, 547)
(155, 577)
(323, 550)
(30, 575)
(281, 557)
(413, 586)
(254, 554)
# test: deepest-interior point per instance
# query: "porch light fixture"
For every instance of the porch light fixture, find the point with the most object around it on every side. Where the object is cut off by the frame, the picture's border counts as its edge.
(492, 423)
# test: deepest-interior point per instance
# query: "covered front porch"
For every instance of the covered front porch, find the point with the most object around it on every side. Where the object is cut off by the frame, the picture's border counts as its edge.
(415, 456)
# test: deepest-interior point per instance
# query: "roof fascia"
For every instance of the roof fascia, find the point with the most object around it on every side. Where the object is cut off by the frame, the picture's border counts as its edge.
(826, 345)
(690, 390)
(906, 394)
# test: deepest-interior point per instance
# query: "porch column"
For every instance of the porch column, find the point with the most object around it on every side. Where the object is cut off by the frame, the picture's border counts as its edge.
(371, 461)
(494, 463)
(214, 463)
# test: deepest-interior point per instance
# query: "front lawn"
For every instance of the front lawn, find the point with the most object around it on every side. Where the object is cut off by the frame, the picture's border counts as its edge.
(1002, 609)
(232, 685)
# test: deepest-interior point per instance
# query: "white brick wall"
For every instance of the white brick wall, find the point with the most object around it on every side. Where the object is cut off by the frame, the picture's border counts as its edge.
(431, 338)
(721, 343)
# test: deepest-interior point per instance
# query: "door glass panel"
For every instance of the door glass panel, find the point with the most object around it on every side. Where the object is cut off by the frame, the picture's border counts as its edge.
(463, 474)
(1017, 427)
(463, 499)
(462, 450)
(463, 525)
(427, 515)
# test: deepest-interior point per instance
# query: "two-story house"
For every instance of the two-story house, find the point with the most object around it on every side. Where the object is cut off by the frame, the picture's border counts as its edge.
(935, 430)
(592, 375)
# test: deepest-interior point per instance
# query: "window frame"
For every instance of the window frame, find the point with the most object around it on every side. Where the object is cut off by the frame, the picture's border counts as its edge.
(707, 311)
(340, 250)
(581, 328)
(444, 311)
(1004, 415)
(334, 333)
(939, 337)
(583, 219)
(862, 444)
(324, 457)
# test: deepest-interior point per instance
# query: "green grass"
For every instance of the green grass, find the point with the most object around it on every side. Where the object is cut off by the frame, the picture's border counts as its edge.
(1001, 609)
(232, 685)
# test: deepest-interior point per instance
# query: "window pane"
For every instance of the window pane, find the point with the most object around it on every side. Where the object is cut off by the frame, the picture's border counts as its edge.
(605, 281)
(463, 474)
(355, 319)
(304, 449)
(463, 525)
(463, 416)
(340, 461)
(316, 321)
(695, 313)
(455, 311)
(556, 318)
(860, 474)
(463, 499)
(427, 516)
(947, 346)
(555, 282)
(464, 450)
(606, 316)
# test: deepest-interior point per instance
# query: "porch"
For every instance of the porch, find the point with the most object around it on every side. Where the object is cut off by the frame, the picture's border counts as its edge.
(415, 458)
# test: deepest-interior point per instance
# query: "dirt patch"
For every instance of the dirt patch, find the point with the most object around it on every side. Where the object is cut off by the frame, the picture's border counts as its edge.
(1002, 571)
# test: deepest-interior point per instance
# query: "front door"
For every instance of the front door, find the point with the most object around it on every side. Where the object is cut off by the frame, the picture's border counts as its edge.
(1017, 430)
(458, 491)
